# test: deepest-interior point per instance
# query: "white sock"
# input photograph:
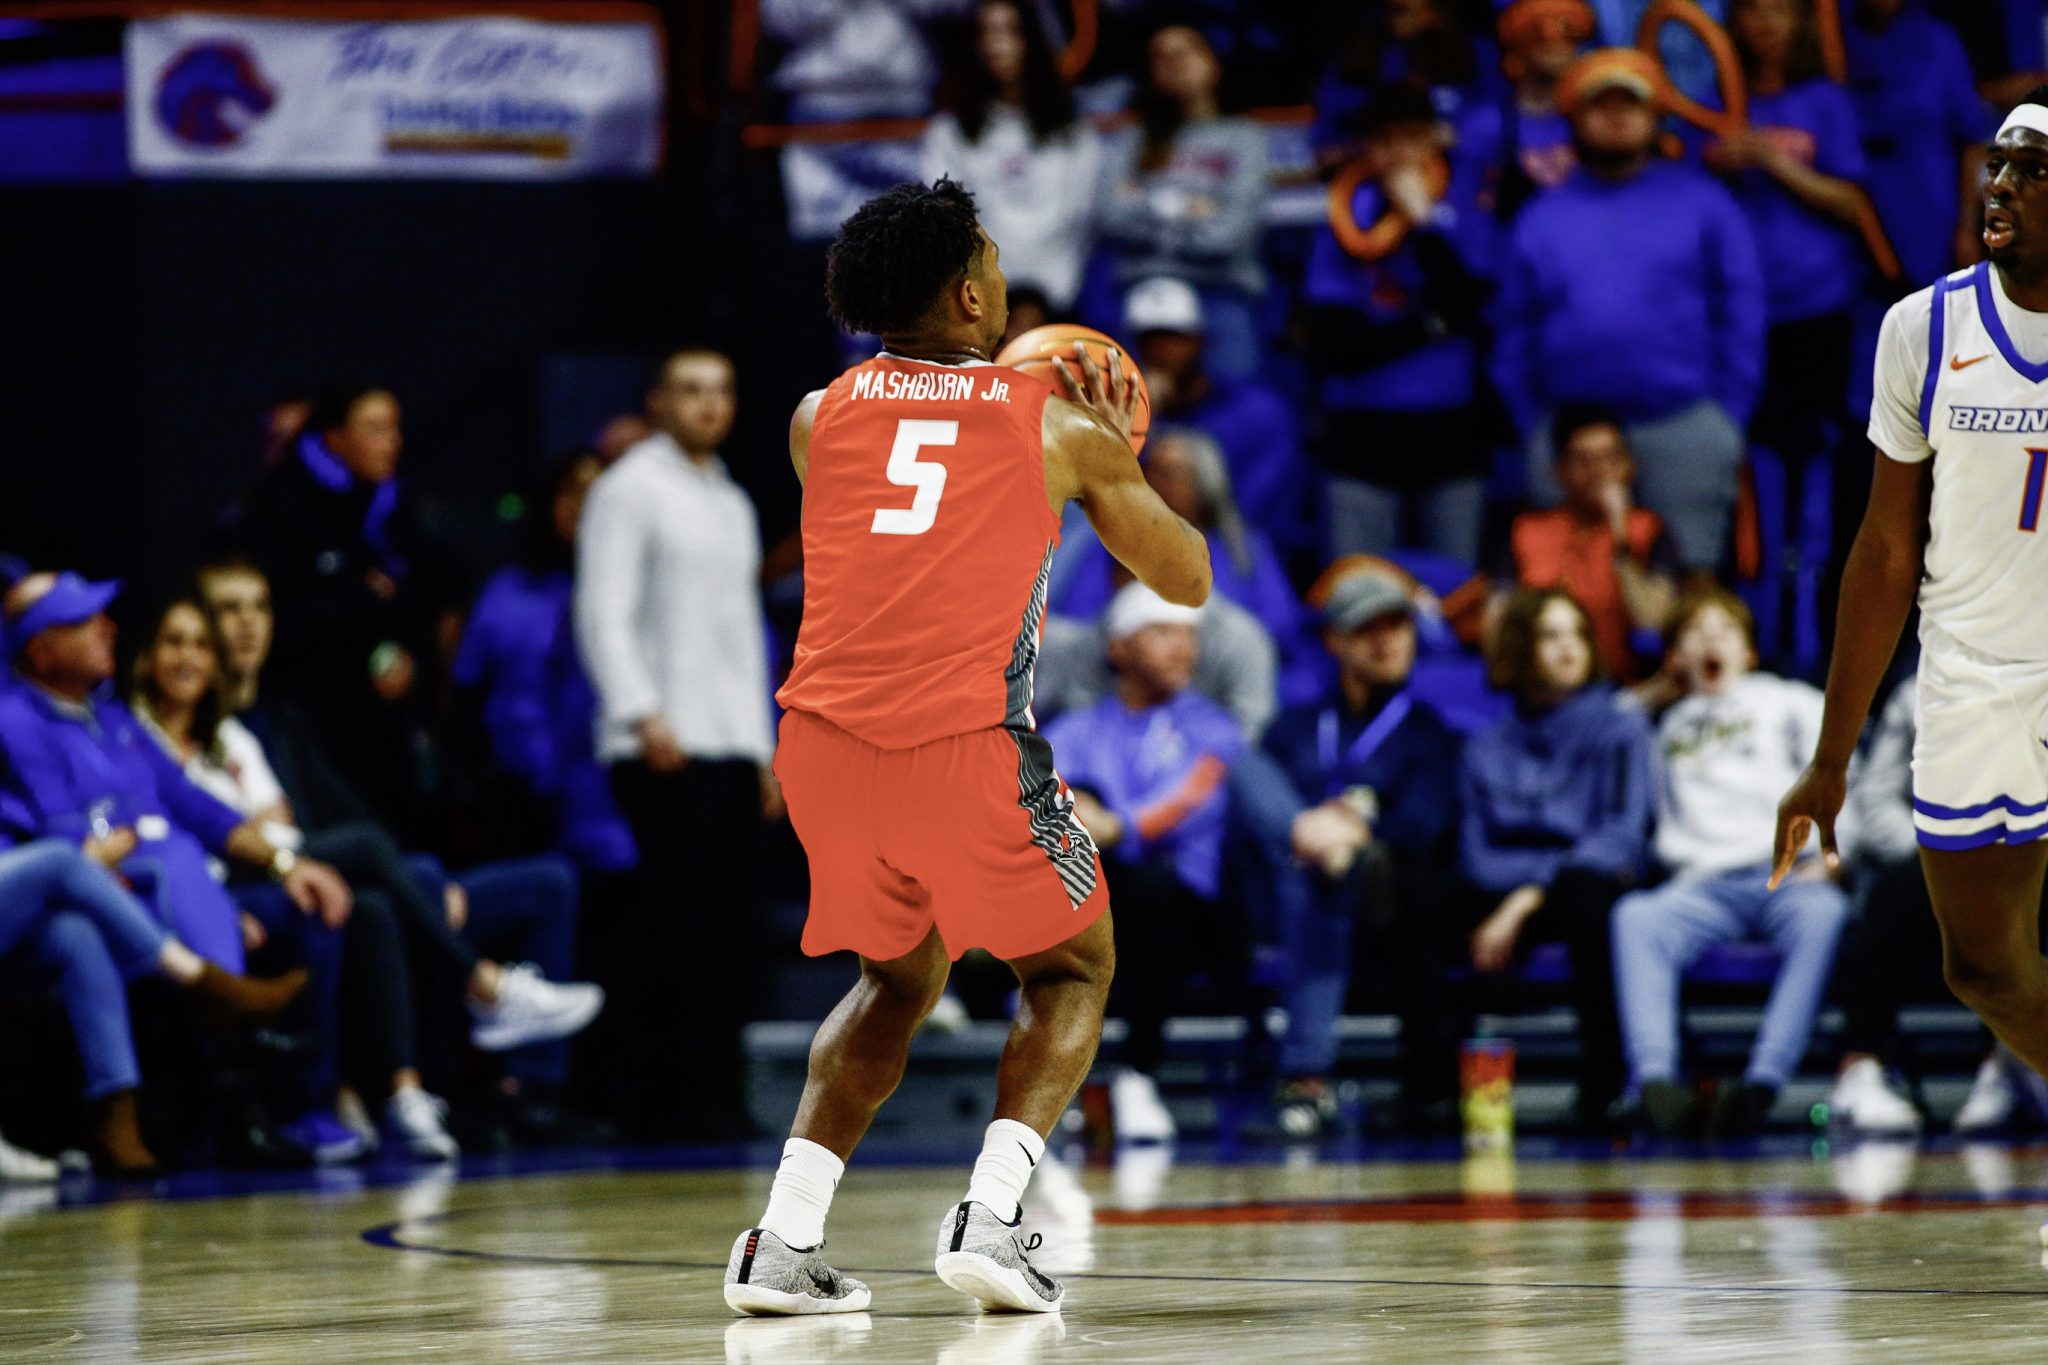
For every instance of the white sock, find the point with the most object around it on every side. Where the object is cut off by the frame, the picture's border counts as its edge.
(804, 1183)
(1009, 1153)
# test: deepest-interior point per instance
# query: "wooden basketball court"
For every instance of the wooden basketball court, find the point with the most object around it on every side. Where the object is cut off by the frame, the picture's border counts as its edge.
(1879, 1253)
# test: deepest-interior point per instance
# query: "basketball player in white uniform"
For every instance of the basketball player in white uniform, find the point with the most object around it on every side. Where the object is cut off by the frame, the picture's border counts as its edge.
(1960, 421)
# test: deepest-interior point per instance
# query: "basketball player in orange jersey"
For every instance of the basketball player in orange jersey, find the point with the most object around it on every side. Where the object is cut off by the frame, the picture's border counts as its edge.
(926, 801)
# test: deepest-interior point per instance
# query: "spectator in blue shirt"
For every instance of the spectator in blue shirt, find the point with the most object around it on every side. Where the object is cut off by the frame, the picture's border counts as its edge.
(78, 765)
(1349, 813)
(1395, 341)
(1248, 419)
(1554, 809)
(1147, 766)
(1187, 469)
(543, 786)
(1920, 115)
(1634, 285)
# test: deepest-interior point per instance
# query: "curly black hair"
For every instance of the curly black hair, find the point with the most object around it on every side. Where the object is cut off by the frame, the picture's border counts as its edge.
(891, 259)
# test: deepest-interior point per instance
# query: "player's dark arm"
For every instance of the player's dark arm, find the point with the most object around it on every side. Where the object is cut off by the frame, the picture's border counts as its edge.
(1146, 536)
(1878, 587)
(800, 433)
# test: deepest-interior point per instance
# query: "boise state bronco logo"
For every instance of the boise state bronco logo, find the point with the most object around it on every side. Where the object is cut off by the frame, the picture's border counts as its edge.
(210, 93)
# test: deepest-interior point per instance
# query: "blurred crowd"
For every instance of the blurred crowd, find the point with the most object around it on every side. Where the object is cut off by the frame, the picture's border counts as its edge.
(1523, 476)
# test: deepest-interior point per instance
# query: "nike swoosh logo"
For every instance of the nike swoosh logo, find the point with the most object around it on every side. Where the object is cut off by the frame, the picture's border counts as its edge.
(1956, 362)
(1027, 1155)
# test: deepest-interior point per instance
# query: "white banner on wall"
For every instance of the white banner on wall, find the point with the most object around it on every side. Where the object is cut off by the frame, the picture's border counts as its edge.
(481, 97)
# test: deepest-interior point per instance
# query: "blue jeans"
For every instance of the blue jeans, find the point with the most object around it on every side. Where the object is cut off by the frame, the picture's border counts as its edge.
(1661, 932)
(1312, 914)
(64, 920)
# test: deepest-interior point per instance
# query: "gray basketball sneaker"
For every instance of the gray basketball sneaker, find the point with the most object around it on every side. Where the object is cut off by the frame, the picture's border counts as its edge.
(980, 1256)
(768, 1276)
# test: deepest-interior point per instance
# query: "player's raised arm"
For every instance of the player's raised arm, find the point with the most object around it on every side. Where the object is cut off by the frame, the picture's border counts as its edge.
(1089, 458)
(1878, 586)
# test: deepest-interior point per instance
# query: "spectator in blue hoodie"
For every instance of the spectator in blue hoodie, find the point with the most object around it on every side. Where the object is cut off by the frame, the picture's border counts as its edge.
(518, 661)
(1395, 341)
(1147, 766)
(1251, 423)
(1554, 810)
(1634, 285)
(1349, 813)
(1919, 113)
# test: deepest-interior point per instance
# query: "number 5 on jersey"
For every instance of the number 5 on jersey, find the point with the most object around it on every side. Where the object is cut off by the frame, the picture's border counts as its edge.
(928, 477)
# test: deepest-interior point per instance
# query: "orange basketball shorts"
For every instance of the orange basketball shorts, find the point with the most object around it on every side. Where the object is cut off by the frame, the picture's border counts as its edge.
(974, 834)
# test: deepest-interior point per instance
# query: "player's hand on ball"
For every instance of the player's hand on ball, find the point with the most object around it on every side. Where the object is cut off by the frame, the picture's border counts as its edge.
(1814, 801)
(1112, 397)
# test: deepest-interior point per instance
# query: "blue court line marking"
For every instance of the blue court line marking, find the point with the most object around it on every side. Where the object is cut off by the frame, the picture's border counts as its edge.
(386, 1236)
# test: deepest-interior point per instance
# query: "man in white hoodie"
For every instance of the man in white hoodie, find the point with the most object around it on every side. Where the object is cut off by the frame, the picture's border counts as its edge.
(1736, 739)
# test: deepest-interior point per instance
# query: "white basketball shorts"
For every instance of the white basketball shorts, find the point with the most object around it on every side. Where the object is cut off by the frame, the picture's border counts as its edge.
(1980, 764)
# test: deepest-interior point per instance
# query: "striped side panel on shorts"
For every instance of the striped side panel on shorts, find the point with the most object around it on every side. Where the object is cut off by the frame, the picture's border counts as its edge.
(1064, 840)
(1020, 677)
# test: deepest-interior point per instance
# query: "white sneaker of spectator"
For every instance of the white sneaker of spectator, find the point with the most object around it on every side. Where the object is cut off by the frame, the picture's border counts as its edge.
(1991, 1101)
(415, 1124)
(1136, 1109)
(1864, 1099)
(24, 1167)
(532, 1009)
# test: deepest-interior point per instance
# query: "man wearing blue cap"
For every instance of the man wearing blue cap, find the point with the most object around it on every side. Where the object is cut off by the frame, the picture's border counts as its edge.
(79, 766)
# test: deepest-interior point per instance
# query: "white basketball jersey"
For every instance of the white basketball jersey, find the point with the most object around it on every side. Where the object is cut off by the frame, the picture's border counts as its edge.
(1984, 414)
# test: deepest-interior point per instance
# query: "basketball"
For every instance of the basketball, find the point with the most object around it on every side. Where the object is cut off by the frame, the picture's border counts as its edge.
(1033, 353)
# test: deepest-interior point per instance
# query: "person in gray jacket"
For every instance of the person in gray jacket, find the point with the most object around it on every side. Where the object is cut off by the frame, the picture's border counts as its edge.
(1185, 193)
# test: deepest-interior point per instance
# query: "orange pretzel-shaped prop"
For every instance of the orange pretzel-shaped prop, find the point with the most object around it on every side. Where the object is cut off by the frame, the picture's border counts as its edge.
(1734, 112)
(1378, 241)
(1734, 116)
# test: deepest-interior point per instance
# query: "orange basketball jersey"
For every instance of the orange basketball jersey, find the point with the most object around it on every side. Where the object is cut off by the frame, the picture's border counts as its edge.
(927, 546)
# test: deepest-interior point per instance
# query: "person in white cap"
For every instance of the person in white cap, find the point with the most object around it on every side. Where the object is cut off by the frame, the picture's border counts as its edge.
(1249, 419)
(1147, 766)
(1959, 371)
